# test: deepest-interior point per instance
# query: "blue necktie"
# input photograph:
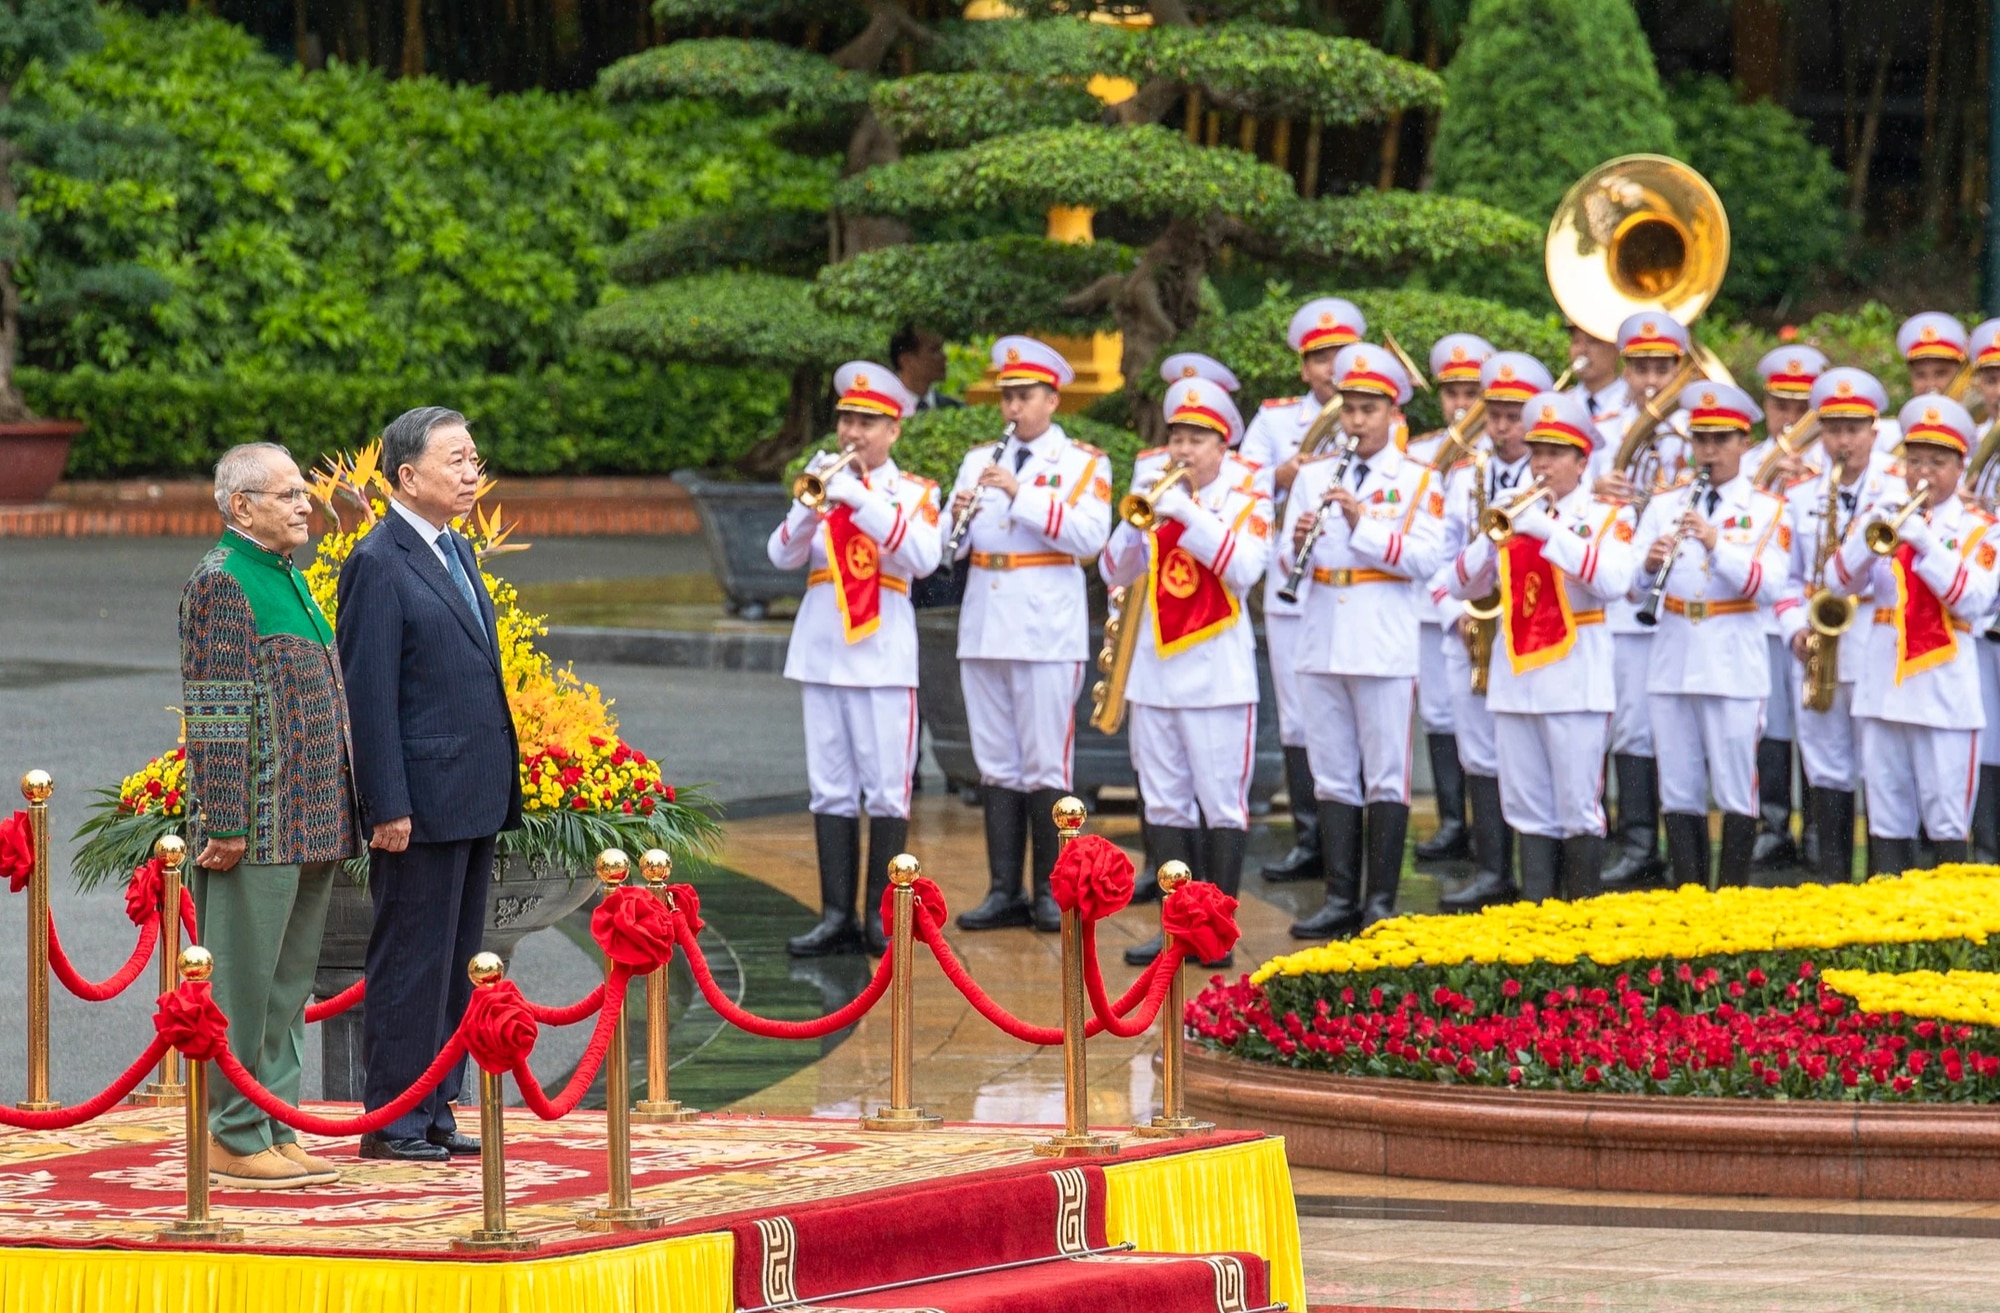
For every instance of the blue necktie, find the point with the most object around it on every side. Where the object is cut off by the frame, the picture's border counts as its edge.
(457, 572)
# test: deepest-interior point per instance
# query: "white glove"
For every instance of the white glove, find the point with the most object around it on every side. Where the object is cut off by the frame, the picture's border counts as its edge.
(1535, 522)
(1916, 531)
(846, 489)
(1174, 504)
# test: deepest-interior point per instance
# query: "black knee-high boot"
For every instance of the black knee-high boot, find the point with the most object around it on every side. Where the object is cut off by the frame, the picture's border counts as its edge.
(1541, 861)
(1174, 844)
(1451, 841)
(1006, 844)
(887, 837)
(1638, 836)
(1833, 820)
(1891, 856)
(1388, 826)
(1047, 847)
(1687, 848)
(1739, 841)
(1986, 817)
(838, 839)
(1492, 851)
(1773, 848)
(1340, 860)
(1582, 866)
(1302, 862)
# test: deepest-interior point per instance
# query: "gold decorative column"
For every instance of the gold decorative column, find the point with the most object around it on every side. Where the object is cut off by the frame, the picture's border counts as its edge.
(196, 965)
(487, 970)
(1076, 1141)
(617, 1212)
(657, 866)
(36, 787)
(168, 1091)
(1173, 1119)
(902, 1114)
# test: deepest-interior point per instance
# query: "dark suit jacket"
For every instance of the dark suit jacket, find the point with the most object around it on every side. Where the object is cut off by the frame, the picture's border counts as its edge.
(433, 739)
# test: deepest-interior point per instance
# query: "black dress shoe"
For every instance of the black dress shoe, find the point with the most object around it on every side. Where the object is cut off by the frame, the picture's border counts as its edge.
(454, 1143)
(406, 1149)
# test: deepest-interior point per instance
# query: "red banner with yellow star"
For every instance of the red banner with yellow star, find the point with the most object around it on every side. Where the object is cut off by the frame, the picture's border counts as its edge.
(1923, 626)
(856, 564)
(1534, 606)
(1190, 603)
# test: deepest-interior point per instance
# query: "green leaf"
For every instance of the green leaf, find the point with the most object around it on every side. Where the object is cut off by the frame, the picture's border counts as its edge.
(749, 74)
(932, 110)
(973, 289)
(744, 235)
(1386, 229)
(1256, 68)
(733, 318)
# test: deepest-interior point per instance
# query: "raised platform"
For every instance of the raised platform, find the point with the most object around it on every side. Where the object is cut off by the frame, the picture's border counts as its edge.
(749, 1205)
(1694, 1146)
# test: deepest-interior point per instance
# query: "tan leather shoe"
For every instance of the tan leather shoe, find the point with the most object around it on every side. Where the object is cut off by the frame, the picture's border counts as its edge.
(320, 1170)
(266, 1169)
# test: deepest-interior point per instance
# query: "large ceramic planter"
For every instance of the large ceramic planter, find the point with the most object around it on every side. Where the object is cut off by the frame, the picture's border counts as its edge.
(1626, 1142)
(32, 456)
(522, 898)
(736, 523)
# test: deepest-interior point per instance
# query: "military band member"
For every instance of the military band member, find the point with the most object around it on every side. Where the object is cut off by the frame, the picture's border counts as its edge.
(1707, 681)
(1984, 491)
(854, 647)
(1788, 374)
(1508, 379)
(1917, 694)
(1040, 504)
(1600, 377)
(1651, 346)
(1357, 648)
(1455, 362)
(1849, 401)
(1193, 682)
(1318, 331)
(1934, 346)
(1550, 688)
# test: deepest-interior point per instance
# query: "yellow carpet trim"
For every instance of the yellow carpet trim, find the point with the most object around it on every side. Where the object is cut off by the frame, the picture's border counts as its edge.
(1238, 1197)
(687, 1274)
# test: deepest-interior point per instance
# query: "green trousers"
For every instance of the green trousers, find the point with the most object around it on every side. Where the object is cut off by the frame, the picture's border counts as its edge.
(263, 925)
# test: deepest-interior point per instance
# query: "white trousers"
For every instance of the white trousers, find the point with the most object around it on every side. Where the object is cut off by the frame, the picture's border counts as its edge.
(1915, 771)
(1195, 764)
(860, 743)
(1989, 697)
(1436, 706)
(1826, 741)
(1632, 718)
(1358, 736)
(1707, 746)
(1478, 752)
(1281, 641)
(1778, 703)
(1552, 771)
(1022, 715)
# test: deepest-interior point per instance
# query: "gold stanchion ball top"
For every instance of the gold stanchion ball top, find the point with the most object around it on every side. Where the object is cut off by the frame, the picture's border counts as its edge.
(612, 867)
(37, 785)
(1069, 814)
(657, 865)
(904, 869)
(486, 969)
(197, 963)
(171, 849)
(1173, 875)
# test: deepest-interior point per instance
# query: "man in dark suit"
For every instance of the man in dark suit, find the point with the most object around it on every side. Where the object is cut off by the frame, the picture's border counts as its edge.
(435, 764)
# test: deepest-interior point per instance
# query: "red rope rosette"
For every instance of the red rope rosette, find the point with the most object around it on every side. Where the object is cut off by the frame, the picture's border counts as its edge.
(17, 851)
(930, 899)
(1200, 918)
(189, 1020)
(499, 1027)
(635, 930)
(144, 890)
(1092, 877)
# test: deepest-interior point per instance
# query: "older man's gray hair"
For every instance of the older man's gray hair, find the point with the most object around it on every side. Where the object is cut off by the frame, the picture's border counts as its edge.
(244, 468)
(404, 441)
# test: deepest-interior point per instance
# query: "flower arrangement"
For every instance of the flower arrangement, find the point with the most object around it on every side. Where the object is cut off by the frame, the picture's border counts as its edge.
(583, 787)
(1879, 991)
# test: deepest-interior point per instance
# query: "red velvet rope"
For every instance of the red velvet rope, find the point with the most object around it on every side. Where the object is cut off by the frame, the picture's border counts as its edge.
(565, 1103)
(339, 1003)
(112, 985)
(313, 1123)
(570, 1015)
(1151, 985)
(955, 972)
(1157, 979)
(61, 1119)
(765, 1026)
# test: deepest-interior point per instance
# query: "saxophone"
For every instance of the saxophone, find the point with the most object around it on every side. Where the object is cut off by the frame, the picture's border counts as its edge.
(1485, 612)
(1828, 613)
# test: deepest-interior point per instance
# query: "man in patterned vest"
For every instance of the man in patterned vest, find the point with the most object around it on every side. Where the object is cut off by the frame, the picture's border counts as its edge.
(272, 798)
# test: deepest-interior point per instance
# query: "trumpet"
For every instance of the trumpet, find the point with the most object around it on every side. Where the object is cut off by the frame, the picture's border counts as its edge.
(810, 487)
(1829, 614)
(1498, 522)
(963, 524)
(1649, 610)
(1880, 535)
(1289, 594)
(1141, 509)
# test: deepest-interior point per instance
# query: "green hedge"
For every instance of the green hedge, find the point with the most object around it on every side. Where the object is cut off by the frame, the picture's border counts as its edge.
(558, 422)
(934, 443)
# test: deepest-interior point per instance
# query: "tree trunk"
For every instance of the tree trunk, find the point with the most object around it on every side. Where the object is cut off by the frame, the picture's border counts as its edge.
(1392, 148)
(413, 38)
(767, 458)
(1309, 169)
(870, 146)
(1757, 63)
(1155, 303)
(1850, 82)
(1192, 125)
(1871, 127)
(1944, 87)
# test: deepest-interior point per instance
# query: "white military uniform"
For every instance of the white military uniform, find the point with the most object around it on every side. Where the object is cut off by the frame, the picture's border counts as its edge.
(1272, 439)
(1920, 727)
(1478, 750)
(1986, 492)
(1024, 626)
(1437, 699)
(1193, 720)
(1826, 738)
(1357, 651)
(1709, 668)
(1632, 642)
(861, 695)
(1552, 719)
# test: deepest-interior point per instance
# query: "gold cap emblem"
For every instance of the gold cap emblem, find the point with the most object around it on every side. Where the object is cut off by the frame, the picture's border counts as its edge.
(1795, 366)
(1548, 414)
(1191, 397)
(1931, 415)
(1929, 333)
(1844, 388)
(1188, 371)
(1708, 398)
(1458, 353)
(1326, 319)
(1505, 374)
(1013, 355)
(861, 380)
(1648, 327)
(1360, 363)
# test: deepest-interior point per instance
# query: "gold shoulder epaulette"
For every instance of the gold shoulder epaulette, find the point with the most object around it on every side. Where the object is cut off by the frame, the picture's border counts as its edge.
(1273, 403)
(1150, 452)
(1086, 448)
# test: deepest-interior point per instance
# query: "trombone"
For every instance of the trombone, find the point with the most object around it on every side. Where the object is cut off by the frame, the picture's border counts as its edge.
(810, 487)
(1141, 509)
(1880, 535)
(1498, 522)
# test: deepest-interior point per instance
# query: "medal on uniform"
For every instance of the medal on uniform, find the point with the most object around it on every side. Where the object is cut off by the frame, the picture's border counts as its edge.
(1190, 603)
(1924, 639)
(1540, 628)
(856, 564)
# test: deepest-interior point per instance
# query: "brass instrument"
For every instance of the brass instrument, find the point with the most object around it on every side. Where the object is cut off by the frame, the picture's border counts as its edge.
(1417, 379)
(1324, 431)
(963, 524)
(1460, 435)
(1301, 563)
(1880, 535)
(1829, 614)
(1649, 610)
(1140, 509)
(810, 487)
(1790, 442)
(1484, 612)
(1498, 523)
(1126, 617)
(1640, 232)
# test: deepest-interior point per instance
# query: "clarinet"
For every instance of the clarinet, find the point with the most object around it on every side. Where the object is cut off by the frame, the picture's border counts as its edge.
(963, 523)
(1649, 612)
(1289, 594)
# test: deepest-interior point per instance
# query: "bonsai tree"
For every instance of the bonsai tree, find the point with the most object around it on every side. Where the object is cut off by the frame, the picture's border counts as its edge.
(958, 150)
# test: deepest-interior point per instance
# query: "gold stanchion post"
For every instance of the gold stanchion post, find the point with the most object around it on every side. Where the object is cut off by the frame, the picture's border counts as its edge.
(169, 1091)
(1076, 1141)
(197, 965)
(487, 970)
(36, 786)
(901, 1114)
(617, 1213)
(1173, 1119)
(657, 865)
